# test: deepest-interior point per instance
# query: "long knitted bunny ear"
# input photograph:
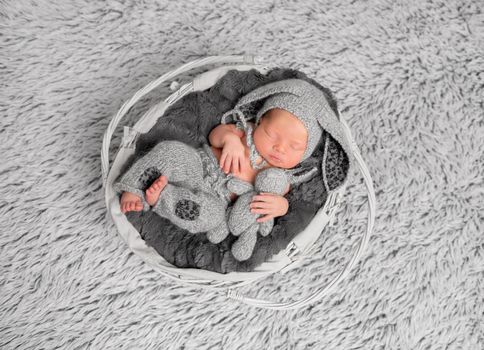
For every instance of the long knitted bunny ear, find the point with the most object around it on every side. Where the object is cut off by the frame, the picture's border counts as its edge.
(304, 175)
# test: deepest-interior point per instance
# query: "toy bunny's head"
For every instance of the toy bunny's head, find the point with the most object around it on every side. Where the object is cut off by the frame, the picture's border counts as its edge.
(272, 180)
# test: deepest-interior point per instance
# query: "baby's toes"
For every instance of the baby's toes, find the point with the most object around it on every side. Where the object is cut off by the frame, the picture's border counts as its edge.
(125, 207)
(160, 183)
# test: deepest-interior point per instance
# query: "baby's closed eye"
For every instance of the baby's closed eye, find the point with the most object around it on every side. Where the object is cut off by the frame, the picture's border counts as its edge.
(268, 133)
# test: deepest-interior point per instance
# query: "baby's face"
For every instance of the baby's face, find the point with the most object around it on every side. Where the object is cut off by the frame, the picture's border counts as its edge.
(281, 138)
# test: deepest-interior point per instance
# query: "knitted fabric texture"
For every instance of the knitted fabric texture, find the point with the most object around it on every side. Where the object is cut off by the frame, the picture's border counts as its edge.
(213, 175)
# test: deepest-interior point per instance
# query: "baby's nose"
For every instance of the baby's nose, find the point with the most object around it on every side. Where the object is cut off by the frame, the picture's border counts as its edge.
(279, 149)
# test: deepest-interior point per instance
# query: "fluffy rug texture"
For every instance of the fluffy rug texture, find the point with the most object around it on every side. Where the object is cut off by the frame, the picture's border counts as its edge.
(408, 78)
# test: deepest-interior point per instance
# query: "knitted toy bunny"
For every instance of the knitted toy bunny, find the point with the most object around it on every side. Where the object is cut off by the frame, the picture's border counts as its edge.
(242, 222)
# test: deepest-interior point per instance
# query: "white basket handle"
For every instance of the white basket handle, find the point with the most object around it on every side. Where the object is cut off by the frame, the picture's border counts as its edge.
(233, 294)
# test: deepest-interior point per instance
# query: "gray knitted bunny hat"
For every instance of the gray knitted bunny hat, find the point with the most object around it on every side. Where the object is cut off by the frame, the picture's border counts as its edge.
(299, 97)
(300, 108)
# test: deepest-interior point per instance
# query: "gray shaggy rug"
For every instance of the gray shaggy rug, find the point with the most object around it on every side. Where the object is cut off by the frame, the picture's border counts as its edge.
(408, 77)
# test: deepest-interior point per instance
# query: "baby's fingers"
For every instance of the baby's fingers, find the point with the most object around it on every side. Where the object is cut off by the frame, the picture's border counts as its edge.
(222, 160)
(227, 164)
(262, 205)
(263, 197)
(240, 164)
(236, 165)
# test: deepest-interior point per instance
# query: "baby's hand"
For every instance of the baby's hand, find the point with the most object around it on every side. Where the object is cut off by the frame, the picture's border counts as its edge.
(272, 205)
(233, 155)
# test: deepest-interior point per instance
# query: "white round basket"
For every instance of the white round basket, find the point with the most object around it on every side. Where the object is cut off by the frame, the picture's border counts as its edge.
(287, 259)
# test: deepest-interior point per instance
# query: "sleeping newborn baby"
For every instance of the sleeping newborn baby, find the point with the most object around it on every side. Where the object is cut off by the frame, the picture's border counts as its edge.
(280, 138)
(193, 187)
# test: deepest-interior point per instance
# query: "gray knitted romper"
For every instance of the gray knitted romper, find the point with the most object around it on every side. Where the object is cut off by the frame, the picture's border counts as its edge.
(196, 196)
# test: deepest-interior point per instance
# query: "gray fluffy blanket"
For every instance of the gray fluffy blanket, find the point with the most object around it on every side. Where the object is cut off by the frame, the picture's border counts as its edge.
(190, 120)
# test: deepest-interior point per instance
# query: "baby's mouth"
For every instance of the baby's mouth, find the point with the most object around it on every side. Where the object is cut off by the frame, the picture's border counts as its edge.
(274, 158)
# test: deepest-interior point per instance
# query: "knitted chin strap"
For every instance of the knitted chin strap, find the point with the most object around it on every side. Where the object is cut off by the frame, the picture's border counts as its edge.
(253, 154)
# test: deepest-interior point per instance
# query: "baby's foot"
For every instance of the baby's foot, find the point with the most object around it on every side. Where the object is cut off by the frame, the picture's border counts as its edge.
(130, 202)
(153, 192)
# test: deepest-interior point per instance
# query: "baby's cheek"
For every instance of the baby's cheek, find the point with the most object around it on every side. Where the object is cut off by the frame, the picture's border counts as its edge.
(294, 160)
(266, 145)
(259, 142)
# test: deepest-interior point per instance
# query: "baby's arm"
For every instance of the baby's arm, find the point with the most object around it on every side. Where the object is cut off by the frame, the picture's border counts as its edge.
(221, 133)
(228, 137)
